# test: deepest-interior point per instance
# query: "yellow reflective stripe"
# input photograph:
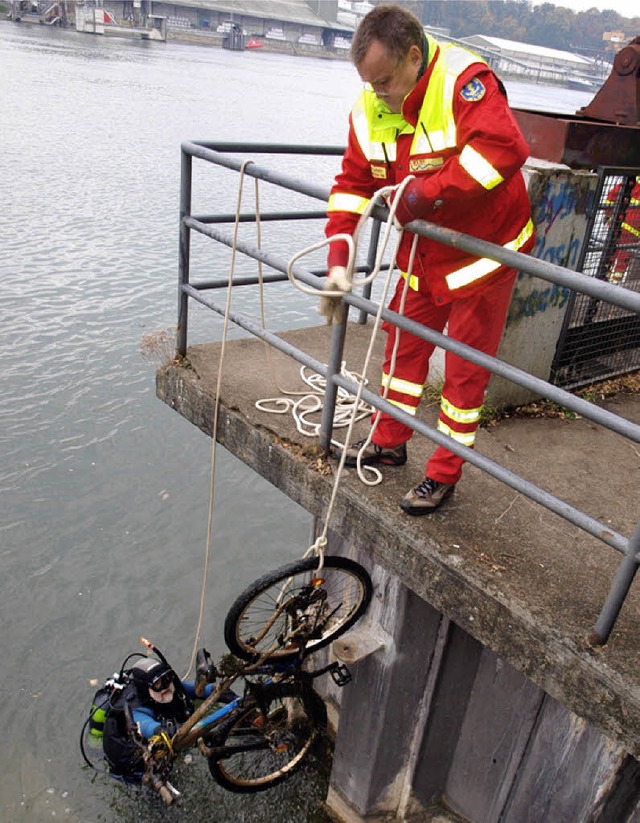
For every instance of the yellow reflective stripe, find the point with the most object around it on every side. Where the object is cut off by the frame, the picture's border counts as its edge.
(480, 169)
(436, 113)
(628, 227)
(460, 415)
(347, 202)
(361, 126)
(413, 280)
(404, 386)
(377, 152)
(437, 141)
(403, 406)
(474, 271)
(466, 438)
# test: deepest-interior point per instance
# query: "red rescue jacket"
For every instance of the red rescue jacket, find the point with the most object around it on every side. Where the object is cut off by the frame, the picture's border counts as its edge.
(470, 160)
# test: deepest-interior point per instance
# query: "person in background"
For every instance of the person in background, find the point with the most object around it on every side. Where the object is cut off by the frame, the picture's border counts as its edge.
(439, 114)
(626, 260)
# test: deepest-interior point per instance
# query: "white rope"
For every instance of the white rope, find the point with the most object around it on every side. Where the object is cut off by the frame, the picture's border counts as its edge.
(309, 404)
(318, 546)
(214, 427)
(349, 409)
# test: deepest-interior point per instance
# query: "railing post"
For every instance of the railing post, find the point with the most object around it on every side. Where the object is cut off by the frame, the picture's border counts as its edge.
(184, 248)
(334, 367)
(619, 588)
(371, 261)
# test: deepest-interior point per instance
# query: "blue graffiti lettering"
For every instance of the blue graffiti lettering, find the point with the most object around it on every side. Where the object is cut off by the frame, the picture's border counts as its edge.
(537, 301)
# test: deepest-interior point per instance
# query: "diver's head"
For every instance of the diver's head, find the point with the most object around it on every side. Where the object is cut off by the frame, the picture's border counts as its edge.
(154, 680)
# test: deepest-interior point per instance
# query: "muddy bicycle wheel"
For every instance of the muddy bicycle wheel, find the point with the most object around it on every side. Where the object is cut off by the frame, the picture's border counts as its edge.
(260, 747)
(294, 607)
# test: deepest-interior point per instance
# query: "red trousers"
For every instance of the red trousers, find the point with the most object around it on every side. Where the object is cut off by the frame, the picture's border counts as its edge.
(477, 320)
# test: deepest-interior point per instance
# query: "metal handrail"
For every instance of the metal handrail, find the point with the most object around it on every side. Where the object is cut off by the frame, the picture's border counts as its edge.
(222, 154)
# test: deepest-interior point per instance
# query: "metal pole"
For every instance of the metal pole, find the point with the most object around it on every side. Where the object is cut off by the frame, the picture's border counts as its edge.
(184, 248)
(333, 368)
(618, 592)
(371, 261)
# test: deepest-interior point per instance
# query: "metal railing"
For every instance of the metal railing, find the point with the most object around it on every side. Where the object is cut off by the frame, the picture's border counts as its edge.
(224, 154)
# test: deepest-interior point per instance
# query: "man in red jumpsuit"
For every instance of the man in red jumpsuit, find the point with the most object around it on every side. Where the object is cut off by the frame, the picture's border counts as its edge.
(438, 113)
(626, 261)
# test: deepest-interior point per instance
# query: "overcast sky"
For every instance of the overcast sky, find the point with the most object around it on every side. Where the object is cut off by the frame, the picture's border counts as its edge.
(623, 7)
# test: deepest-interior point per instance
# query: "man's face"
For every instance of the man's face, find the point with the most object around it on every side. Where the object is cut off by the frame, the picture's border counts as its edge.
(163, 689)
(391, 79)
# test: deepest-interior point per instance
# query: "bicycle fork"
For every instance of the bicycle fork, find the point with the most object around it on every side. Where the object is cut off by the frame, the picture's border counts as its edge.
(166, 791)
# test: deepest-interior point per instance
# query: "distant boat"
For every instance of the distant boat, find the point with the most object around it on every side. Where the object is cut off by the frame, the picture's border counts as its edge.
(580, 84)
(254, 44)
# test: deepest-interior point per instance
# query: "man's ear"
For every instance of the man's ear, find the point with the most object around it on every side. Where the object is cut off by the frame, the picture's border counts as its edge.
(415, 55)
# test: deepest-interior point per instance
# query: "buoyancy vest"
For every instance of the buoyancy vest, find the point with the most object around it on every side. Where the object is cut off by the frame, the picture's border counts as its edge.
(122, 753)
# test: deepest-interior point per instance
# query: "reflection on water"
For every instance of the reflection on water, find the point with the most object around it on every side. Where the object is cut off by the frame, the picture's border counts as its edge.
(104, 490)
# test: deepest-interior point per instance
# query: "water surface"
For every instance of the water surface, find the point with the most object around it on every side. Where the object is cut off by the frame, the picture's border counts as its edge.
(104, 490)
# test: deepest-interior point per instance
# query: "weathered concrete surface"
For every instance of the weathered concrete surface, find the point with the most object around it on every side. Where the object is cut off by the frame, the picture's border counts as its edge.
(516, 577)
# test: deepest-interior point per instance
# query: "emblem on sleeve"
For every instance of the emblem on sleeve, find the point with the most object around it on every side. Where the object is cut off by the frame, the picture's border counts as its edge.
(473, 90)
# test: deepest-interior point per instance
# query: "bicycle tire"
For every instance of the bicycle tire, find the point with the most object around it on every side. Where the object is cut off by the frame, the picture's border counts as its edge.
(260, 750)
(256, 625)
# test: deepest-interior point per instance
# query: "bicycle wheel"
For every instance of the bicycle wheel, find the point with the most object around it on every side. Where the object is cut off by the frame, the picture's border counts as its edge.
(258, 749)
(293, 607)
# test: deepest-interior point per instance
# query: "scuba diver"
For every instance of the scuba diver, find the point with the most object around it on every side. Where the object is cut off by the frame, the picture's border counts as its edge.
(141, 708)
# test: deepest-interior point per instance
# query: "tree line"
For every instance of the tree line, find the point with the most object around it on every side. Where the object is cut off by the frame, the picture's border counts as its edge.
(541, 25)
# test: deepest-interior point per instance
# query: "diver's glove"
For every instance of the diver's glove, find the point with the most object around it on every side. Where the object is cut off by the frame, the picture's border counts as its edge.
(337, 285)
(206, 672)
(170, 726)
(160, 748)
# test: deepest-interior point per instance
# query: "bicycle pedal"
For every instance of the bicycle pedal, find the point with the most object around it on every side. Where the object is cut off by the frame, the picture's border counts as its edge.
(340, 675)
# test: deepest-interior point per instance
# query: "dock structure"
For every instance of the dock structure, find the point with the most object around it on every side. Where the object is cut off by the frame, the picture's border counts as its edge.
(486, 685)
(488, 675)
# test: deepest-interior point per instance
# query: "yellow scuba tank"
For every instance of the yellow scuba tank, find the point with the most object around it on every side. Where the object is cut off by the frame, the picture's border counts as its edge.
(99, 708)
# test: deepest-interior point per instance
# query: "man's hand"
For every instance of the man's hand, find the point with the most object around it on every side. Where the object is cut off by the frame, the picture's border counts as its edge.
(412, 205)
(330, 305)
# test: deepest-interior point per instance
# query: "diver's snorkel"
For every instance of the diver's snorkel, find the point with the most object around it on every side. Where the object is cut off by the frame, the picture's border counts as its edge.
(149, 645)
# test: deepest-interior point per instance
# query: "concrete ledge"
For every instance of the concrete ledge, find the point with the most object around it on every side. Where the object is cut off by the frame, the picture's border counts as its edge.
(517, 578)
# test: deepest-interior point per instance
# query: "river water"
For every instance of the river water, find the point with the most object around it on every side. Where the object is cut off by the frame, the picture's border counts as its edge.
(104, 490)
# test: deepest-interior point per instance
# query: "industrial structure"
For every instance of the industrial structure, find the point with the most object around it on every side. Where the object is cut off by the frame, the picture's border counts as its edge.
(313, 27)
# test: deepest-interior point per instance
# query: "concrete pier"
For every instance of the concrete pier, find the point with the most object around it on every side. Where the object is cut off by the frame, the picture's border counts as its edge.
(485, 691)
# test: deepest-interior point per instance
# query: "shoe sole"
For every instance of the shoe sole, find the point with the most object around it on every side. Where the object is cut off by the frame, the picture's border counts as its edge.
(419, 511)
(352, 462)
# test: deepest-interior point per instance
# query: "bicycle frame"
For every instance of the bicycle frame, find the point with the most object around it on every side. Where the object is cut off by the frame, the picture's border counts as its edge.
(202, 723)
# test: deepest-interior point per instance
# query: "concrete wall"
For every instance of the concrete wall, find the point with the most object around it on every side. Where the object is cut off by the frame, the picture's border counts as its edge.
(433, 717)
(560, 198)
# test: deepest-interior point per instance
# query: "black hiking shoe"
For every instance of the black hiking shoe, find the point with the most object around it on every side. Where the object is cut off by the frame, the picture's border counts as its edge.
(426, 497)
(375, 455)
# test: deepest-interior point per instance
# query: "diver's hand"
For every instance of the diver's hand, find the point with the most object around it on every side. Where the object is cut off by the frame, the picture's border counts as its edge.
(337, 285)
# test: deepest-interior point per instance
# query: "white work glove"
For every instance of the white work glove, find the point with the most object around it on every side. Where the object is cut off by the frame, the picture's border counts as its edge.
(337, 285)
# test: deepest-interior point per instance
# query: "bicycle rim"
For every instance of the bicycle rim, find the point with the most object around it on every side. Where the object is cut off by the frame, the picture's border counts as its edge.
(294, 607)
(262, 750)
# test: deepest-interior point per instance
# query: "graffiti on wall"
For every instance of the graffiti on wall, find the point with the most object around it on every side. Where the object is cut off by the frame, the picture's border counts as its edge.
(559, 207)
(527, 302)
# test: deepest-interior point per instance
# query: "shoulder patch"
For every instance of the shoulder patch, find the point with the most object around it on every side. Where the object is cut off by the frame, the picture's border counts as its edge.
(473, 90)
